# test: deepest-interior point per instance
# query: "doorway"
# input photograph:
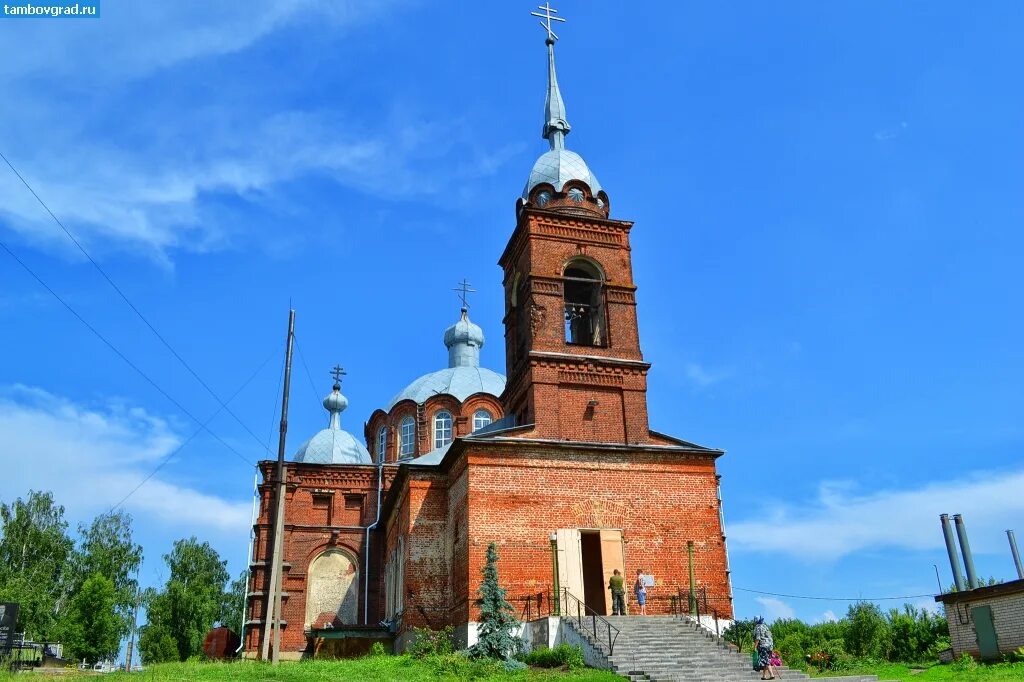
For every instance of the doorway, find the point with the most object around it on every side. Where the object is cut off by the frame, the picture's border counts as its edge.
(593, 573)
(586, 560)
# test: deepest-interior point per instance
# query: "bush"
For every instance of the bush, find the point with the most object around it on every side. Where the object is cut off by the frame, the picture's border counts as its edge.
(513, 665)
(429, 642)
(830, 656)
(562, 655)
(791, 648)
(868, 632)
(964, 664)
(377, 649)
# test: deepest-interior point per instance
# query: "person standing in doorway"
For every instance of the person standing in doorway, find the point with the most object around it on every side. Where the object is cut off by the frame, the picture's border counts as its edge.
(640, 591)
(617, 584)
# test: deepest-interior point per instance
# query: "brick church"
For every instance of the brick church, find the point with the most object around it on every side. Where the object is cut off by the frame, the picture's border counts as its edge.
(556, 463)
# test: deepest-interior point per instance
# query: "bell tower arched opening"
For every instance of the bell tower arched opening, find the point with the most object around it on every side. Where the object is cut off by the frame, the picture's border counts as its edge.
(585, 319)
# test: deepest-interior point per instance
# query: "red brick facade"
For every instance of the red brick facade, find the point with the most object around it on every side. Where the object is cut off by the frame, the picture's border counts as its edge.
(575, 458)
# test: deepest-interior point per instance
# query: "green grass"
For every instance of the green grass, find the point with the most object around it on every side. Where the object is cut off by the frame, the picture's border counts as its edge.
(932, 671)
(370, 669)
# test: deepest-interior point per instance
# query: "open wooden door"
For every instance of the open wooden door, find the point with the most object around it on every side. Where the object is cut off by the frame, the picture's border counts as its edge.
(570, 562)
(612, 557)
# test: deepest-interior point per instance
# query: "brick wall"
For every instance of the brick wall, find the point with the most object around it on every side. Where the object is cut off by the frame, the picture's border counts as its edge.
(519, 494)
(1007, 614)
(319, 501)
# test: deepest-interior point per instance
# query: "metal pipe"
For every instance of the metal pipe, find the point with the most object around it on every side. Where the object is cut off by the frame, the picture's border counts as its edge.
(693, 594)
(1016, 554)
(954, 560)
(965, 548)
(366, 546)
(554, 572)
(248, 571)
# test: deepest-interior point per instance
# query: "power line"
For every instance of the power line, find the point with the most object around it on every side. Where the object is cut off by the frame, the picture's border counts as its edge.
(167, 458)
(119, 353)
(312, 384)
(128, 302)
(800, 596)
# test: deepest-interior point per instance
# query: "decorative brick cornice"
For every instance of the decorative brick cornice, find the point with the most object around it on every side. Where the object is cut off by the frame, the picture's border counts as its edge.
(620, 294)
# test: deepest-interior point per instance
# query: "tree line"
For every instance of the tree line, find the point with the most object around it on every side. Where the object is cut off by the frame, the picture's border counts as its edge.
(82, 591)
(907, 635)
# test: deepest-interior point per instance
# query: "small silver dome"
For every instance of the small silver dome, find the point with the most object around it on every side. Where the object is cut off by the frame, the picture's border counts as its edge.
(464, 376)
(332, 445)
(464, 341)
(557, 167)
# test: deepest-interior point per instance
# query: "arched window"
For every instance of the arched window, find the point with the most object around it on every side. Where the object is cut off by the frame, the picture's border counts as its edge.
(382, 443)
(481, 418)
(584, 304)
(407, 429)
(442, 429)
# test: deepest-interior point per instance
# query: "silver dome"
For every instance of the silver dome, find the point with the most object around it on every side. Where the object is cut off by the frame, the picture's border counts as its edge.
(464, 376)
(458, 382)
(332, 445)
(557, 167)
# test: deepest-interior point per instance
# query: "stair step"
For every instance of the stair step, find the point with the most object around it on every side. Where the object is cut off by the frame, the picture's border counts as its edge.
(672, 649)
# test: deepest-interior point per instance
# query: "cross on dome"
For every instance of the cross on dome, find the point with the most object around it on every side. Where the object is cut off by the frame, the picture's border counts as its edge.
(338, 372)
(547, 18)
(464, 290)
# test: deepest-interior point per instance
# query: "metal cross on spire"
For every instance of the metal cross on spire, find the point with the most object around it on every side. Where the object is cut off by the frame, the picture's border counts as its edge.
(338, 372)
(464, 290)
(547, 18)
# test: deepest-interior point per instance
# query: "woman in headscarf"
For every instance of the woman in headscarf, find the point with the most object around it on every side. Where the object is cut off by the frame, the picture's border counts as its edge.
(764, 644)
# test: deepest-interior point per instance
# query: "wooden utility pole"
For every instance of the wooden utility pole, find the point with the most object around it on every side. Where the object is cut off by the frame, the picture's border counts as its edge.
(272, 605)
(135, 625)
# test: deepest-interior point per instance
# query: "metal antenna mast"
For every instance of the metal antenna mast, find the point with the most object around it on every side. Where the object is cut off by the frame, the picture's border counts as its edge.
(272, 608)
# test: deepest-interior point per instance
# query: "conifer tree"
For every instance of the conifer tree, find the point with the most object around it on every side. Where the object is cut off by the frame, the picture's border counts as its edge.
(496, 635)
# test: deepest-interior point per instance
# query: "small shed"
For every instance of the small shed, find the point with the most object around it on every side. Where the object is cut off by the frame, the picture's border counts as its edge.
(986, 622)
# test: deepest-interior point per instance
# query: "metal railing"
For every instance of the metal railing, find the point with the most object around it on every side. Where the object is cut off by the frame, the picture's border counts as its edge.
(694, 607)
(536, 606)
(588, 621)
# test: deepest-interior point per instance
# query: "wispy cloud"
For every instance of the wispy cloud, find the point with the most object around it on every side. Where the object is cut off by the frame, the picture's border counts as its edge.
(136, 174)
(774, 609)
(842, 521)
(892, 132)
(89, 456)
(828, 617)
(702, 377)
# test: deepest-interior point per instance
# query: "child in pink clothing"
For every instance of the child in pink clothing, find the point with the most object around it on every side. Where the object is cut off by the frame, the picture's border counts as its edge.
(776, 660)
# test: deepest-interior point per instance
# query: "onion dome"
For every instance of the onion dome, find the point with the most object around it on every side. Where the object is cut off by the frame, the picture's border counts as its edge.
(333, 445)
(464, 376)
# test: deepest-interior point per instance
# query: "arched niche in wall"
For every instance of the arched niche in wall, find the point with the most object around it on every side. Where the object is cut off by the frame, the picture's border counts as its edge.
(332, 590)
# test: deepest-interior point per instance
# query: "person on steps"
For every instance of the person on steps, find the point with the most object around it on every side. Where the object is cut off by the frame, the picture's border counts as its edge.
(764, 644)
(617, 585)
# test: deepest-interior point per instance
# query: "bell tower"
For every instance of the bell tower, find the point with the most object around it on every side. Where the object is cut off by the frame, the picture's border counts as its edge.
(575, 370)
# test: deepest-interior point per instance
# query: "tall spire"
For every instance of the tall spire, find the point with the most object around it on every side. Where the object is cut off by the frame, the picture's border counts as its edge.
(556, 127)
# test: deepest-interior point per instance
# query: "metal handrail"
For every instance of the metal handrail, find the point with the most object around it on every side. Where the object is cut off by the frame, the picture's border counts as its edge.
(585, 615)
(535, 601)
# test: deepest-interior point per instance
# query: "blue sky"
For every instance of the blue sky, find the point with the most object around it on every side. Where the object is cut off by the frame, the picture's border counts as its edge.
(827, 246)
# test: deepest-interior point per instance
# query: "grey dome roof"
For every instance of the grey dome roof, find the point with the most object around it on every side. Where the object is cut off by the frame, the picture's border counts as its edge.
(332, 445)
(557, 167)
(458, 382)
(464, 376)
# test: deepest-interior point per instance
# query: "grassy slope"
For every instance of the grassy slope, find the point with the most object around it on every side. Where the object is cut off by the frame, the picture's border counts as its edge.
(894, 671)
(370, 669)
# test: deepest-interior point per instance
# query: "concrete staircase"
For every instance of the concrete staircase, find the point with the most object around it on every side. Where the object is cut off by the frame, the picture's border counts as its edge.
(671, 649)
